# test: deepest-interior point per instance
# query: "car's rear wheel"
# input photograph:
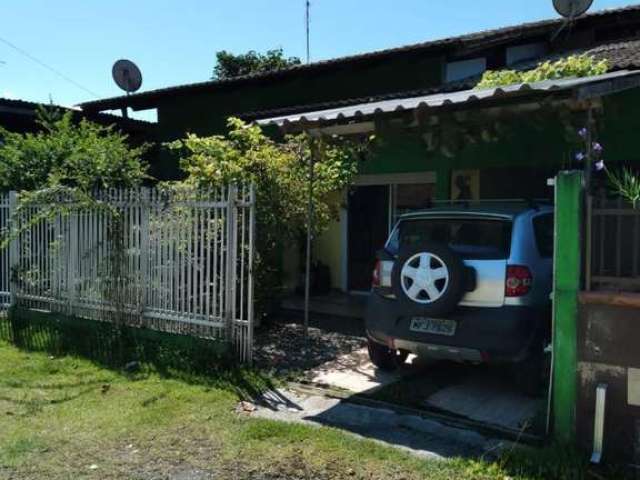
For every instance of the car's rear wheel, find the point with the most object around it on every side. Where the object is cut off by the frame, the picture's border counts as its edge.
(385, 358)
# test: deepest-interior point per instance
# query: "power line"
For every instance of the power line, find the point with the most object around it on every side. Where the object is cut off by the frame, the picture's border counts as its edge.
(51, 69)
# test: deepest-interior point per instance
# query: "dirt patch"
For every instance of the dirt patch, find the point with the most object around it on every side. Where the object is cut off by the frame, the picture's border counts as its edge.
(281, 347)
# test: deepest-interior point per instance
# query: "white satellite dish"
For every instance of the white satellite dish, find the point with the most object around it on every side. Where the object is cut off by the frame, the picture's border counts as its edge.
(127, 75)
(572, 8)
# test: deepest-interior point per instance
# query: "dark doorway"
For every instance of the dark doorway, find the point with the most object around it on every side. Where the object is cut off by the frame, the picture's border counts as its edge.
(368, 229)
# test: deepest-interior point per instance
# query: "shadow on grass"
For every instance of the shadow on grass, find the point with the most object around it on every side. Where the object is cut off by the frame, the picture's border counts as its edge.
(137, 352)
(34, 405)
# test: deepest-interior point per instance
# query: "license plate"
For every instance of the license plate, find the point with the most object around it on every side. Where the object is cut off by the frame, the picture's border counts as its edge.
(436, 326)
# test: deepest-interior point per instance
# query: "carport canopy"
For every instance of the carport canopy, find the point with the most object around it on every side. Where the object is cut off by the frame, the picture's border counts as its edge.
(577, 89)
(347, 119)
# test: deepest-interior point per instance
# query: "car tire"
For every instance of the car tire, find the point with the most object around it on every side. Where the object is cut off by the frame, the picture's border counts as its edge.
(385, 358)
(452, 289)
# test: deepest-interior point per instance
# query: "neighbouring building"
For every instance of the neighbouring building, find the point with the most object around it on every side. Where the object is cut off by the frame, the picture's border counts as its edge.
(20, 116)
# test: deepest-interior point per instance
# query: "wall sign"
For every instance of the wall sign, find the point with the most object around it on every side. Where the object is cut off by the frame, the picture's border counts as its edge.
(465, 185)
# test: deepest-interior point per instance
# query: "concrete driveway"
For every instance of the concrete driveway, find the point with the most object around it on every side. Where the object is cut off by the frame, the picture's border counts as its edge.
(479, 394)
(429, 409)
(420, 436)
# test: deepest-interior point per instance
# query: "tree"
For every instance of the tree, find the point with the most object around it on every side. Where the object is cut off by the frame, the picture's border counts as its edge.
(280, 173)
(229, 65)
(66, 154)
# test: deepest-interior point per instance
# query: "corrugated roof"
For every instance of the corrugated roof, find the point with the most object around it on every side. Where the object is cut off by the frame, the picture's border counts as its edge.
(599, 85)
(494, 36)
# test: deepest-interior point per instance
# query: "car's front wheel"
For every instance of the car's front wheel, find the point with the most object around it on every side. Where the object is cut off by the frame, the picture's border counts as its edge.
(385, 358)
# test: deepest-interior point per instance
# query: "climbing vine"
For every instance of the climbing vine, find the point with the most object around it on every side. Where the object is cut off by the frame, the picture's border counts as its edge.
(572, 66)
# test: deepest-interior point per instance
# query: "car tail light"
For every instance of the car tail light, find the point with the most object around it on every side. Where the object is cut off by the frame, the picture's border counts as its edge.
(377, 273)
(519, 280)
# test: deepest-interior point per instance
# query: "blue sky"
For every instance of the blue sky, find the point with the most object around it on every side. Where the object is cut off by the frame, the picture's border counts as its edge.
(174, 41)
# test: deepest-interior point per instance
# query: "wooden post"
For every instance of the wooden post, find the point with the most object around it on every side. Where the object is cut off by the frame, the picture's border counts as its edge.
(567, 270)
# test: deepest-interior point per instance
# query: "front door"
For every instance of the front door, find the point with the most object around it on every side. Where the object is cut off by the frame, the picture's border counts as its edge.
(368, 229)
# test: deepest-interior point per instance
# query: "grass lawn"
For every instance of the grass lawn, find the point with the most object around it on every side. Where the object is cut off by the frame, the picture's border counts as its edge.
(69, 418)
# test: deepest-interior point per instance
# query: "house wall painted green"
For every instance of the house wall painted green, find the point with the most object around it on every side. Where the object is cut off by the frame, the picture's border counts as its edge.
(516, 166)
(207, 113)
(530, 146)
(525, 145)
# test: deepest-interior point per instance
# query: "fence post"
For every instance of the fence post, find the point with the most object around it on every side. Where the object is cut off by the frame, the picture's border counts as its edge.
(230, 277)
(72, 261)
(145, 250)
(14, 253)
(251, 278)
(567, 274)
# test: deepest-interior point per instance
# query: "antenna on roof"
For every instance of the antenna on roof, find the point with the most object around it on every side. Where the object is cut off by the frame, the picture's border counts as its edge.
(127, 76)
(307, 22)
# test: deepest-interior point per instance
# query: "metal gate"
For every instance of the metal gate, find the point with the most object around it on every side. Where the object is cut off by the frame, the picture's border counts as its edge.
(174, 261)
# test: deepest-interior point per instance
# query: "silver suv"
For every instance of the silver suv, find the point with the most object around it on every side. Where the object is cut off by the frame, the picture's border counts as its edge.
(465, 283)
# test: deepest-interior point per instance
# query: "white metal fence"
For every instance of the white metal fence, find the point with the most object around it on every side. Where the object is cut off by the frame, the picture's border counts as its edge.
(168, 261)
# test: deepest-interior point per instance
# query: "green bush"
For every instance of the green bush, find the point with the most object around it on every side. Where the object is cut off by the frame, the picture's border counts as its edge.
(573, 66)
(73, 155)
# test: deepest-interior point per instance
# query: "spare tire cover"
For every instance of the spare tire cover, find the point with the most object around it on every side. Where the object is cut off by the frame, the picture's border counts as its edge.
(428, 278)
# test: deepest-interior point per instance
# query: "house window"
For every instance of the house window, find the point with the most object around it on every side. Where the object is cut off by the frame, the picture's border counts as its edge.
(465, 69)
(522, 53)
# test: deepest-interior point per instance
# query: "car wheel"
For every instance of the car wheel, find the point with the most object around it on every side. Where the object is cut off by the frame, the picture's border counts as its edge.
(429, 278)
(385, 358)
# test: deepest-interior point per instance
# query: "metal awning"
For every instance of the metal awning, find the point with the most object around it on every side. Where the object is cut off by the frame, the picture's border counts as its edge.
(578, 88)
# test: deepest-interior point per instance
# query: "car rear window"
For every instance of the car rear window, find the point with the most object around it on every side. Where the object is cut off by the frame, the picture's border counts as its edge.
(543, 229)
(471, 238)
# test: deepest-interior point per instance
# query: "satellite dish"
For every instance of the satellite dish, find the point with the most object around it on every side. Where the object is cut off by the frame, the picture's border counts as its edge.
(127, 75)
(572, 8)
